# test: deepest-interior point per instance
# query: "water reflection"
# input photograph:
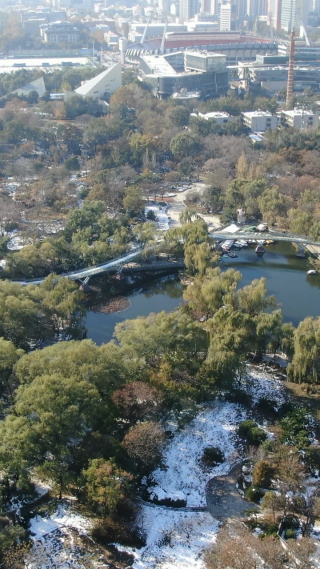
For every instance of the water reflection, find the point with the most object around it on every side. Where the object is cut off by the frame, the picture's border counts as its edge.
(163, 294)
(296, 293)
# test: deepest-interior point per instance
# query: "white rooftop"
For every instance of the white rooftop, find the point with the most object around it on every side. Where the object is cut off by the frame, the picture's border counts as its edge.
(252, 114)
(298, 113)
(215, 115)
(159, 64)
(203, 53)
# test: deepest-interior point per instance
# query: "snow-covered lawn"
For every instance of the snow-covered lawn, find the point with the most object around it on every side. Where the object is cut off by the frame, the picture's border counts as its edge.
(62, 517)
(176, 538)
(57, 540)
(214, 426)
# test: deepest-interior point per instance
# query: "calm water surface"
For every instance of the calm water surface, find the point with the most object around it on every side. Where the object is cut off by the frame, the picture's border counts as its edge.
(297, 294)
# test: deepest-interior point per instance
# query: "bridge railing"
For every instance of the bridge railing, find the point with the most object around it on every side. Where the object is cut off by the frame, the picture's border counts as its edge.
(247, 235)
(89, 270)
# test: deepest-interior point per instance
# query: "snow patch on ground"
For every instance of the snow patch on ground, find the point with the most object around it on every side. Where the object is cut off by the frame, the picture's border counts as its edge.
(57, 540)
(161, 214)
(62, 517)
(175, 538)
(185, 472)
(178, 538)
(258, 383)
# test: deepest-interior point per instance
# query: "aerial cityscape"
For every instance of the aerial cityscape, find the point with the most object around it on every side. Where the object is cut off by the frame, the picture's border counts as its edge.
(160, 284)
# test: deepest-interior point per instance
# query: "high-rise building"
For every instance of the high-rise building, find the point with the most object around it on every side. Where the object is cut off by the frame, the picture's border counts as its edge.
(256, 8)
(228, 17)
(164, 6)
(188, 9)
(225, 17)
(241, 8)
(205, 7)
(274, 13)
(288, 15)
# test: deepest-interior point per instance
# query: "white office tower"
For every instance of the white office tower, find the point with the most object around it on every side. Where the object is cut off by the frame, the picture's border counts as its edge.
(123, 44)
(288, 15)
(225, 17)
(188, 9)
(256, 8)
(164, 6)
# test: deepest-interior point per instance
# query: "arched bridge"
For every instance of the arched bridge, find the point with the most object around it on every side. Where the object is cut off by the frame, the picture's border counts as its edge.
(247, 235)
(85, 274)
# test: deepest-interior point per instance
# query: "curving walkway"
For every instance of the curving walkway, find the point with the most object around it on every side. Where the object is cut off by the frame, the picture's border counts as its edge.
(246, 235)
(90, 271)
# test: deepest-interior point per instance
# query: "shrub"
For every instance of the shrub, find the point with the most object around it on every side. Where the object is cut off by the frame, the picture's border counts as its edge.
(290, 522)
(253, 494)
(262, 474)
(312, 458)
(266, 406)
(272, 529)
(256, 436)
(212, 456)
(290, 534)
(144, 443)
(151, 216)
(239, 396)
(108, 531)
(245, 427)
(249, 430)
(297, 428)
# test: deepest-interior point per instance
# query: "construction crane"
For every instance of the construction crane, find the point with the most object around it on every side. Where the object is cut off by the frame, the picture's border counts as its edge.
(304, 31)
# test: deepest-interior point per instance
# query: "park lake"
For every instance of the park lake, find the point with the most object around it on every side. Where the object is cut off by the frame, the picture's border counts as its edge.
(297, 294)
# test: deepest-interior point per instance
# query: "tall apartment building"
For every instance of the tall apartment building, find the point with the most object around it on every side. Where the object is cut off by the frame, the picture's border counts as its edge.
(274, 13)
(206, 7)
(228, 17)
(188, 9)
(256, 8)
(288, 15)
(164, 6)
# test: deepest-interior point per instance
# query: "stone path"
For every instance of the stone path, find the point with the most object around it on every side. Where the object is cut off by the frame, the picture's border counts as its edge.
(223, 499)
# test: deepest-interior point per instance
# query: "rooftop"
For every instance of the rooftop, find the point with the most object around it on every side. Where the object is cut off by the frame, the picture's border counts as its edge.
(298, 113)
(158, 64)
(252, 114)
(215, 115)
(205, 53)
